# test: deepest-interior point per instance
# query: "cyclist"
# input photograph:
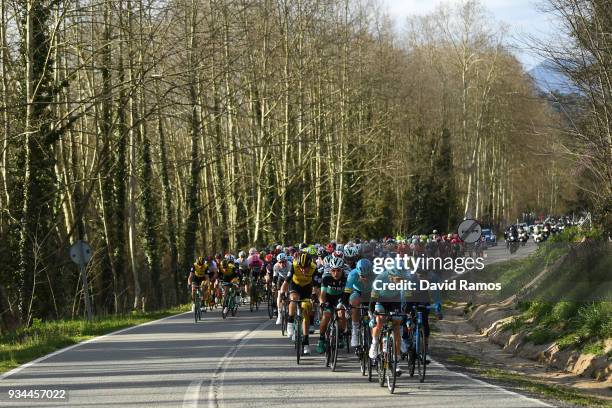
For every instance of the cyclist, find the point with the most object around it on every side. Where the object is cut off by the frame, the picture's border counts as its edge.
(255, 266)
(422, 299)
(198, 277)
(388, 301)
(332, 295)
(359, 287)
(281, 270)
(301, 279)
(229, 274)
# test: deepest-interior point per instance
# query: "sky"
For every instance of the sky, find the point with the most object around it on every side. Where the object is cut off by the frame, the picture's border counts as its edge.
(522, 17)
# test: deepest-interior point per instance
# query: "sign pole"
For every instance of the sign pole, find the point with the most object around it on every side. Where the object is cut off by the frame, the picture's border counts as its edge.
(80, 253)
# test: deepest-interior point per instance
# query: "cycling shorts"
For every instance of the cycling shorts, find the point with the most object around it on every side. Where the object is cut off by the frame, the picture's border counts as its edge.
(389, 307)
(303, 292)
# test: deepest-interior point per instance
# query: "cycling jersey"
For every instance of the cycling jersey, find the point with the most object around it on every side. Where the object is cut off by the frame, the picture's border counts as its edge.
(332, 286)
(302, 276)
(353, 283)
(230, 272)
(281, 271)
(199, 270)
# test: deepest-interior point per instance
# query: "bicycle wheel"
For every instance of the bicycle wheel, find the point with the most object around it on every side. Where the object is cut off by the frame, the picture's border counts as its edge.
(328, 351)
(225, 309)
(270, 305)
(234, 306)
(391, 364)
(252, 295)
(364, 348)
(284, 321)
(380, 364)
(422, 357)
(411, 353)
(298, 338)
(334, 337)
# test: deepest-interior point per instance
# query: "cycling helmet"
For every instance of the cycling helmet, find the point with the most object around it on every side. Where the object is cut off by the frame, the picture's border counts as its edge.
(304, 260)
(303, 246)
(340, 247)
(338, 254)
(435, 231)
(252, 251)
(329, 248)
(225, 263)
(351, 252)
(289, 258)
(230, 257)
(336, 263)
(364, 267)
(269, 258)
(218, 256)
(200, 260)
(281, 257)
(327, 260)
(242, 254)
(311, 250)
(321, 252)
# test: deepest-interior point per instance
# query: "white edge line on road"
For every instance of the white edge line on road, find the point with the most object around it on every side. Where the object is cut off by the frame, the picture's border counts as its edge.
(60, 351)
(544, 404)
(219, 374)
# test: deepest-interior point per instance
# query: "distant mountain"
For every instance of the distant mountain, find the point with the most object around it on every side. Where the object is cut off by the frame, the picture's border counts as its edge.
(547, 79)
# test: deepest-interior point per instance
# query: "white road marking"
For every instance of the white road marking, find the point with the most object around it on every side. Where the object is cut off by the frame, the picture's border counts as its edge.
(55, 353)
(216, 383)
(192, 395)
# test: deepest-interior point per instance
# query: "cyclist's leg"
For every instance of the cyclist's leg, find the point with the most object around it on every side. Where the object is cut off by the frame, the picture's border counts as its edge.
(355, 302)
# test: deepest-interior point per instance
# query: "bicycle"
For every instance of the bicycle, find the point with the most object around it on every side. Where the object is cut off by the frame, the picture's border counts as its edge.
(387, 360)
(365, 339)
(254, 294)
(284, 314)
(417, 346)
(197, 303)
(297, 328)
(230, 305)
(271, 299)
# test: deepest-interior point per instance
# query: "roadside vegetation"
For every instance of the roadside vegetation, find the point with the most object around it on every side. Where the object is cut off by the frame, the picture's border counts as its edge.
(562, 291)
(521, 382)
(41, 338)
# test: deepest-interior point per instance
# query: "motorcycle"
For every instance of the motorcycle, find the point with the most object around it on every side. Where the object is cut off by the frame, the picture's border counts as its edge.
(539, 236)
(523, 237)
(512, 243)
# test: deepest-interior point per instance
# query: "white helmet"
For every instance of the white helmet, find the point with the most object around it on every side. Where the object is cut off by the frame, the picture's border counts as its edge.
(252, 251)
(351, 251)
(336, 263)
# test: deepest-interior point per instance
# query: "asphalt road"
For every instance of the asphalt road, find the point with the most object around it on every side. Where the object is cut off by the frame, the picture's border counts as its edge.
(238, 362)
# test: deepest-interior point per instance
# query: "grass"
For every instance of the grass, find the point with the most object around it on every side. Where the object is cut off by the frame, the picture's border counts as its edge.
(42, 338)
(463, 360)
(539, 388)
(557, 392)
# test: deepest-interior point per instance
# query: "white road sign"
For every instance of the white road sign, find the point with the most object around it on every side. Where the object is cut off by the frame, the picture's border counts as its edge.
(80, 253)
(469, 231)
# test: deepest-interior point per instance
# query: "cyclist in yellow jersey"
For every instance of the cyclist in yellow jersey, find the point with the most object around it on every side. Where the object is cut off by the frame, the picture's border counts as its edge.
(198, 276)
(301, 279)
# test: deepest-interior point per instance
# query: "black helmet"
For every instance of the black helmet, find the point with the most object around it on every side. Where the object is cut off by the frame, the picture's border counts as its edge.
(304, 259)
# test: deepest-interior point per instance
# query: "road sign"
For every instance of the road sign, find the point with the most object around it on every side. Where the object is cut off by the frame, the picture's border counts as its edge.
(469, 231)
(80, 253)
